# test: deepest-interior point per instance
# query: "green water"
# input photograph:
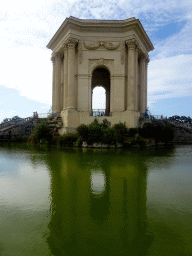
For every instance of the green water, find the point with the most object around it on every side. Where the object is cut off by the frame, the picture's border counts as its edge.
(95, 202)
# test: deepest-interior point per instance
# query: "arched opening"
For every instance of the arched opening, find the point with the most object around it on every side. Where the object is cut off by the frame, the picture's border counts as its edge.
(98, 101)
(100, 79)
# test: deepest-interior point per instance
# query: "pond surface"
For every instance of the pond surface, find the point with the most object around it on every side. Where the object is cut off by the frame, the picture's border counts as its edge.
(95, 202)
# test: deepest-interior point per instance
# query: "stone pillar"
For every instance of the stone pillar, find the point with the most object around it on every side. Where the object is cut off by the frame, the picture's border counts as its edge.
(136, 79)
(72, 94)
(62, 83)
(57, 82)
(65, 98)
(146, 67)
(142, 84)
(53, 85)
(131, 44)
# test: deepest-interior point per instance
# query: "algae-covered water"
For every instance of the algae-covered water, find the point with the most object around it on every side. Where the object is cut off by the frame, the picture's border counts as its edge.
(95, 201)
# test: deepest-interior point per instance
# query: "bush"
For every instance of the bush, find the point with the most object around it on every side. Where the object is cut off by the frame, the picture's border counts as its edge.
(158, 131)
(41, 132)
(94, 132)
(121, 132)
(79, 142)
(67, 140)
(109, 136)
(132, 132)
(132, 141)
(82, 131)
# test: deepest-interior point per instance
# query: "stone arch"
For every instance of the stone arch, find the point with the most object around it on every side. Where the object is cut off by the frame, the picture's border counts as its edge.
(101, 77)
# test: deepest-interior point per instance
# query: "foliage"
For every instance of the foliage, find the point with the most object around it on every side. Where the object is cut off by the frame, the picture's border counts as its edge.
(181, 119)
(67, 140)
(94, 132)
(79, 142)
(157, 130)
(137, 140)
(41, 130)
(50, 117)
(132, 132)
(5, 120)
(106, 123)
(82, 131)
(41, 134)
(109, 136)
(121, 132)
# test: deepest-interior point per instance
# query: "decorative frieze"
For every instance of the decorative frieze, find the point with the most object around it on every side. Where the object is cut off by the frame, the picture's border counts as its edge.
(93, 45)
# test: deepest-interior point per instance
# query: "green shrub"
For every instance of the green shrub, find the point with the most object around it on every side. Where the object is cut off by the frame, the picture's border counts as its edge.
(109, 136)
(121, 132)
(132, 132)
(41, 133)
(94, 132)
(82, 131)
(67, 140)
(157, 130)
(135, 141)
(79, 142)
(41, 130)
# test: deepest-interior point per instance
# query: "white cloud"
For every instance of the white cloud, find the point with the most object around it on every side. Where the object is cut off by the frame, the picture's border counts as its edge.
(170, 77)
(29, 70)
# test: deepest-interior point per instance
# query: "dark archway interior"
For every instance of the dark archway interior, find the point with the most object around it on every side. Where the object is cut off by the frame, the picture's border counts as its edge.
(101, 77)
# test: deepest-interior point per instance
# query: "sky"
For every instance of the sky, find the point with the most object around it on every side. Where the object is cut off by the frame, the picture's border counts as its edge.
(26, 27)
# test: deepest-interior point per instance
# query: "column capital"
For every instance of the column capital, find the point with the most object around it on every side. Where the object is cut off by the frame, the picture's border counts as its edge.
(70, 43)
(52, 59)
(145, 58)
(56, 56)
(131, 44)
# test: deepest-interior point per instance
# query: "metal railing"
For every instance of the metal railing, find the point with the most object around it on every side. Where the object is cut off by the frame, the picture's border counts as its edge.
(98, 112)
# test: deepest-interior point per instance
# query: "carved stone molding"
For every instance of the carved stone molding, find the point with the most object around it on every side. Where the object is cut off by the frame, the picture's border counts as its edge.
(101, 61)
(52, 59)
(111, 45)
(70, 43)
(131, 44)
(57, 56)
(80, 52)
(91, 45)
(122, 58)
(96, 44)
(94, 63)
(145, 58)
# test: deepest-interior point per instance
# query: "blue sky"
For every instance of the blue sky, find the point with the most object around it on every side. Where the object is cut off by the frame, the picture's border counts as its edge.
(26, 70)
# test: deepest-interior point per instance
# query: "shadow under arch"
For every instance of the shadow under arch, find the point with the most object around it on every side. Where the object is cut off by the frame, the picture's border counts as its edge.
(101, 77)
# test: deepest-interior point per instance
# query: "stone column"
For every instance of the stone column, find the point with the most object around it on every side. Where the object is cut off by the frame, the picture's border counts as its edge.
(62, 83)
(53, 85)
(65, 99)
(136, 79)
(142, 84)
(131, 44)
(146, 67)
(72, 94)
(57, 82)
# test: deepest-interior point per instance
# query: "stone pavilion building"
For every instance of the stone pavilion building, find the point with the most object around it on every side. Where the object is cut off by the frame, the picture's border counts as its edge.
(108, 53)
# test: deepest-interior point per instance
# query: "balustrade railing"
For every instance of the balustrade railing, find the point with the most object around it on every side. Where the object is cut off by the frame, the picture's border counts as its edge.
(98, 112)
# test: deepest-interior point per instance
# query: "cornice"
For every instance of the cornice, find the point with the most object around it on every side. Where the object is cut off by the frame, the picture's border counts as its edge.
(119, 26)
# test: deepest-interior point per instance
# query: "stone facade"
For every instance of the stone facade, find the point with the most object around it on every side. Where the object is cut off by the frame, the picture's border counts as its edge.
(108, 53)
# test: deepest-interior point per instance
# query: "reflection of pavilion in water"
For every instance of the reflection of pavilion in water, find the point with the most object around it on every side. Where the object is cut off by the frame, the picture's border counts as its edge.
(98, 208)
